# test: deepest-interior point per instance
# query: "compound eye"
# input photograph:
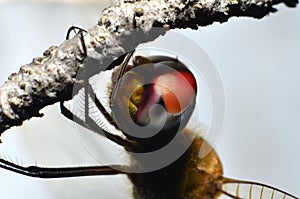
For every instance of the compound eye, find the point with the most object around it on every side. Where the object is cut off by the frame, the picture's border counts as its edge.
(177, 90)
(158, 92)
(171, 85)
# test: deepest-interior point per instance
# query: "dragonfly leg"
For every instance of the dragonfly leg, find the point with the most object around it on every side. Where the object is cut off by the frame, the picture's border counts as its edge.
(80, 32)
(93, 126)
(99, 105)
(63, 172)
(74, 28)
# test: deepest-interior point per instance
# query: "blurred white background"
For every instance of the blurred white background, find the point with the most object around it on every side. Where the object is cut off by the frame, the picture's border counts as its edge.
(258, 61)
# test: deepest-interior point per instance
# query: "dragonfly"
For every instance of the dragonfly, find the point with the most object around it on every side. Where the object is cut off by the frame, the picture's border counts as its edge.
(138, 84)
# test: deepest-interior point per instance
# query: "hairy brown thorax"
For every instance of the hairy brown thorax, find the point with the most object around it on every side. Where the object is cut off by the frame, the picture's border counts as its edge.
(188, 177)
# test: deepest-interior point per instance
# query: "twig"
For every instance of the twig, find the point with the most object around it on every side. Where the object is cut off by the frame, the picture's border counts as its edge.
(121, 28)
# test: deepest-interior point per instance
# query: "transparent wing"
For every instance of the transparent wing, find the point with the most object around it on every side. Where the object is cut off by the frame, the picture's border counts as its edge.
(252, 190)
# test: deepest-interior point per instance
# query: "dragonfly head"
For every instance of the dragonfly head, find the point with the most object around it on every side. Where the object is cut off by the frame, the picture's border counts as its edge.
(154, 98)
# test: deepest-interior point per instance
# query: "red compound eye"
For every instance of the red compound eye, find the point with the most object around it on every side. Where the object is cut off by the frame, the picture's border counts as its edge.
(177, 89)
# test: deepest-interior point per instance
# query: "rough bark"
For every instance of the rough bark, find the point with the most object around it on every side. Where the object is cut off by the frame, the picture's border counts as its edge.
(122, 27)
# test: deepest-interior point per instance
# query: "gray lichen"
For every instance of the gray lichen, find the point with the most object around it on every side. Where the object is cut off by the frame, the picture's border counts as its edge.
(50, 78)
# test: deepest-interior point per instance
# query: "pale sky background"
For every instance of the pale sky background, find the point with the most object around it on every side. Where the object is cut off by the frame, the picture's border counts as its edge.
(258, 61)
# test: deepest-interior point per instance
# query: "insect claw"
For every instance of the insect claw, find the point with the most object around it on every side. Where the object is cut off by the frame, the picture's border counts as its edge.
(74, 28)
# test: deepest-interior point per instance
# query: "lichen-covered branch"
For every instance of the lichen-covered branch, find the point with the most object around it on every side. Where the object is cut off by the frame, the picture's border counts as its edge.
(122, 27)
